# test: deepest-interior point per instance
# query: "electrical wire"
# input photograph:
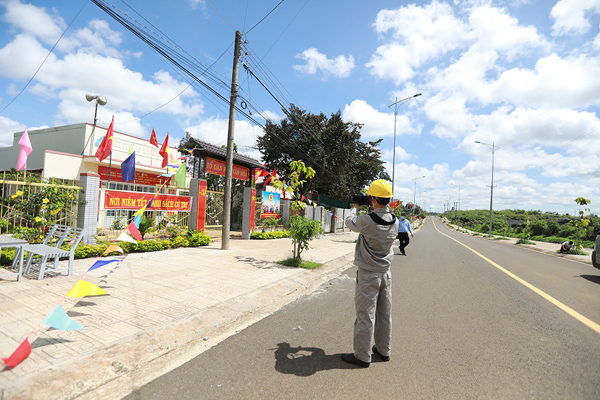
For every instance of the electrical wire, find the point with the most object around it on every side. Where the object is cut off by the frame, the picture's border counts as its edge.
(265, 17)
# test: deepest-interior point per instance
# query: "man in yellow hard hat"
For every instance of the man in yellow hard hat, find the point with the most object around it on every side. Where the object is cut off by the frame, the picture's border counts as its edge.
(373, 256)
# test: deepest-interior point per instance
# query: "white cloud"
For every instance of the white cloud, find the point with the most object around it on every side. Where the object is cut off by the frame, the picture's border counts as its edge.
(419, 34)
(29, 53)
(555, 82)
(570, 16)
(377, 124)
(492, 28)
(214, 130)
(33, 20)
(94, 63)
(7, 129)
(340, 67)
(450, 115)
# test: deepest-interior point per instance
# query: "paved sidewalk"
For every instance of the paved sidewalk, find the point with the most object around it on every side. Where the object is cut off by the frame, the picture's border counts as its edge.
(162, 309)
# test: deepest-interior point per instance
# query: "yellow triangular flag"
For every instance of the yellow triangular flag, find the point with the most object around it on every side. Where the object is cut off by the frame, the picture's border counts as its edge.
(83, 288)
(112, 248)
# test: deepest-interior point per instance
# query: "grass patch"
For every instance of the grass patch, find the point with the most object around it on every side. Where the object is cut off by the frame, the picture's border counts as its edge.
(501, 238)
(291, 262)
(576, 252)
(524, 241)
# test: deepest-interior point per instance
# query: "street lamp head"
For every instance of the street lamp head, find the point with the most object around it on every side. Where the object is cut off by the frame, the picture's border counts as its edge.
(477, 141)
(417, 95)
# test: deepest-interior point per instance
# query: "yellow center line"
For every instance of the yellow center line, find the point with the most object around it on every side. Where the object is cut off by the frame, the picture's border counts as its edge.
(546, 296)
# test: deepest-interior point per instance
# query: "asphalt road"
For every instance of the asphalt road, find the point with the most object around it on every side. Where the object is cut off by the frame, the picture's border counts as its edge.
(507, 323)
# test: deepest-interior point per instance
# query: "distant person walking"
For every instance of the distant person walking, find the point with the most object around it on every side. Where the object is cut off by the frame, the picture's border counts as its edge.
(566, 246)
(403, 230)
(373, 256)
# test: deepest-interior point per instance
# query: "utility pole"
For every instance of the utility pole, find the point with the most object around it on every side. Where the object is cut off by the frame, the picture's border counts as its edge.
(230, 135)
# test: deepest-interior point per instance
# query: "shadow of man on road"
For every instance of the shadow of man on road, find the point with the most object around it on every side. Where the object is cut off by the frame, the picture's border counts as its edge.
(306, 361)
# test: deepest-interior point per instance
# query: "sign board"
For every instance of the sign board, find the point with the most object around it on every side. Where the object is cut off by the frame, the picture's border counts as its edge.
(122, 200)
(217, 167)
(270, 205)
(141, 178)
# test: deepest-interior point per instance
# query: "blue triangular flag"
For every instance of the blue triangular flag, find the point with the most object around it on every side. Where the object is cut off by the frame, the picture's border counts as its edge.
(101, 263)
(128, 168)
(97, 142)
(59, 319)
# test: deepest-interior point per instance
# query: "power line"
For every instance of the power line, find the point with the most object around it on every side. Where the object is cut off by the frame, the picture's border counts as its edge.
(269, 13)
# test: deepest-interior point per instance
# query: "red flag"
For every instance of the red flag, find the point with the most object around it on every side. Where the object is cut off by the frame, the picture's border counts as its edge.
(105, 147)
(134, 231)
(153, 138)
(164, 152)
(21, 353)
(272, 176)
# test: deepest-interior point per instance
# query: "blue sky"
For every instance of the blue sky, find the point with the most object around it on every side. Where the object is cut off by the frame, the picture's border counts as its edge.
(523, 74)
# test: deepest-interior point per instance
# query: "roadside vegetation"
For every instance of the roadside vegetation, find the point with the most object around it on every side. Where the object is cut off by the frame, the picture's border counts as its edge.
(531, 225)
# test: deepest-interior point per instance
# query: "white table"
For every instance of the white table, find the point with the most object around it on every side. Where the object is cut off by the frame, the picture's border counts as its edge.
(9, 241)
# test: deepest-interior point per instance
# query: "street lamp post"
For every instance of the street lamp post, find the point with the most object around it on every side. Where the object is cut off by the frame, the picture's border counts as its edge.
(458, 202)
(415, 198)
(397, 105)
(493, 148)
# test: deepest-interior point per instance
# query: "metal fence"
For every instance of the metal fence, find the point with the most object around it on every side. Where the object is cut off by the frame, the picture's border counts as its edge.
(214, 209)
(27, 204)
(113, 222)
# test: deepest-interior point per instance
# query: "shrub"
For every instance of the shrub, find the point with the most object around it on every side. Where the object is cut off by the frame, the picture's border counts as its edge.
(270, 235)
(150, 245)
(196, 239)
(179, 241)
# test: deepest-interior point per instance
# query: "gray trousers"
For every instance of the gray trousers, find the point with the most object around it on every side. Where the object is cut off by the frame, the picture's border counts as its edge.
(373, 302)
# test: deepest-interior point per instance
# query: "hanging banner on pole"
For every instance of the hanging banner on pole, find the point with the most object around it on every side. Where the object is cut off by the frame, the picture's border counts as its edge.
(201, 208)
(270, 205)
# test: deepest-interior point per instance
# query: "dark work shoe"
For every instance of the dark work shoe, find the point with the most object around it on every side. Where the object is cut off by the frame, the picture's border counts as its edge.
(349, 358)
(384, 358)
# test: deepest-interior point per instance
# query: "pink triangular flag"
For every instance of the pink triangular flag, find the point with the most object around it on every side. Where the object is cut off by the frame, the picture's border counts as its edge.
(25, 151)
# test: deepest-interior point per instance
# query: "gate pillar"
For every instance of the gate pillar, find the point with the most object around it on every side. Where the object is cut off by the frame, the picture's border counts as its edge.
(198, 212)
(249, 212)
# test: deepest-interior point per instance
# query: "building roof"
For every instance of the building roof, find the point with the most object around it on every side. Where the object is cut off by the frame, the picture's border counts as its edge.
(221, 152)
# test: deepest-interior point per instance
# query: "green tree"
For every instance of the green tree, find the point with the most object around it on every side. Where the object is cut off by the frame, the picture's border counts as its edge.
(581, 223)
(302, 229)
(330, 146)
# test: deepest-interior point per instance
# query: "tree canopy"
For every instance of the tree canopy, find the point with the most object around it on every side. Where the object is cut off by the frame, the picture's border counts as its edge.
(343, 163)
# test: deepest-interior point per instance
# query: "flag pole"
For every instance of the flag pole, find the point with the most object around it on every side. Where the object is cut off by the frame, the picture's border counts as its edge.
(109, 166)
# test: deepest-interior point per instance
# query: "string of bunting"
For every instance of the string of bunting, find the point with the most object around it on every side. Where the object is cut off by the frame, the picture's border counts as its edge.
(57, 318)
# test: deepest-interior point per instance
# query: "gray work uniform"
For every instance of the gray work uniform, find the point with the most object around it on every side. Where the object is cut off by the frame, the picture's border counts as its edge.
(373, 294)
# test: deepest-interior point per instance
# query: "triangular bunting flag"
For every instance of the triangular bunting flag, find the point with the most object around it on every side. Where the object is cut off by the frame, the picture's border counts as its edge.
(100, 264)
(112, 248)
(21, 353)
(58, 319)
(83, 288)
(126, 238)
(134, 231)
(180, 176)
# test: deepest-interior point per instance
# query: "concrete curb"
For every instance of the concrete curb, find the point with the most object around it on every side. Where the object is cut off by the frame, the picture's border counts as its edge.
(118, 369)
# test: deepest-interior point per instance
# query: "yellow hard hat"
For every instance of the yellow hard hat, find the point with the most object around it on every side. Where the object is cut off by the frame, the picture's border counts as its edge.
(380, 188)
